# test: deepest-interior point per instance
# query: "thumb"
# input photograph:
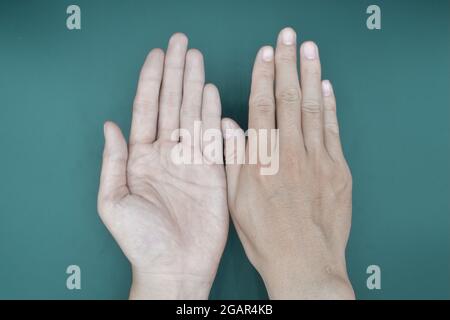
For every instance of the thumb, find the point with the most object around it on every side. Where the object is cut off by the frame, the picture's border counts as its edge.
(234, 144)
(113, 179)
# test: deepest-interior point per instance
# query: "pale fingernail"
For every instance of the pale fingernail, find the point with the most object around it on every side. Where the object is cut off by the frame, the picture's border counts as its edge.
(267, 54)
(326, 88)
(310, 50)
(288, 36)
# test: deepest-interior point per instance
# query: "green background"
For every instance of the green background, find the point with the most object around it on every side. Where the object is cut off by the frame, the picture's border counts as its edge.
(57, 87)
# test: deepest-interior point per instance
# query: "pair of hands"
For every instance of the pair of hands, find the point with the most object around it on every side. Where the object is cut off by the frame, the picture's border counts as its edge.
(171, 220)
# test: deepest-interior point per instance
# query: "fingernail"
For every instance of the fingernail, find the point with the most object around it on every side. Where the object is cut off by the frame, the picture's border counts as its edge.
(288, 36)
(267, 54)
(310, 50)
(326, 88)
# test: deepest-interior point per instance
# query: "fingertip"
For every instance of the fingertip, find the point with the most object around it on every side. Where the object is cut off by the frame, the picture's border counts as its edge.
(266, 54)
(113, 133)
(308, 43)
(327, 88)
(108, 132)
(287, 36)
(106, 136)
(194, 59)
(111, 125)
(194, 54)
(106, 128)
(228, 125)
(156, 53)
(211, 90)
(179, 38)
(211, 104)
(287, 29)
(309, 50)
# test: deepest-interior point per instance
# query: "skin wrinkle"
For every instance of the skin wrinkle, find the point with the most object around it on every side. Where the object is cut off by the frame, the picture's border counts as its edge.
(171, 220)
(288, 222)
(166, 225)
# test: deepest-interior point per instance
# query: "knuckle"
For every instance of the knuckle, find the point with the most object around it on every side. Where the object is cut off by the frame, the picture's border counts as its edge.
(345, 179)
(287, 55)
(332, 127)
(349, 179)
(189, 113)
(191, 105)
(262, 103)
(170, 97)
(312, 70)
(142, 105)
(173, 65)
(117, 158)
(290, 159)
(148, 79)
(264, 73)
(289, 95)
(211, 114)
(195, 84)
(325, 170)
(311, 106)
(330, 106)
(340, 174)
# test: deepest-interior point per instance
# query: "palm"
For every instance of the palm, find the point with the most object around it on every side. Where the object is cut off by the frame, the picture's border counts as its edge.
(173, 210)
(168, 218)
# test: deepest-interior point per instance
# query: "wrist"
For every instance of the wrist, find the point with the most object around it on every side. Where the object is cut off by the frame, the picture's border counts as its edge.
(294, 281)
(151, 286)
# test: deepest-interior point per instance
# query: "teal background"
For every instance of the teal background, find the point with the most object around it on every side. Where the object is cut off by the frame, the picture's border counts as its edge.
(57, 87)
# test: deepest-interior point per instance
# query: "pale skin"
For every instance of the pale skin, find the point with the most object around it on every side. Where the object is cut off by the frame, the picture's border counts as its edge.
(294, 225)
(170, 220)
